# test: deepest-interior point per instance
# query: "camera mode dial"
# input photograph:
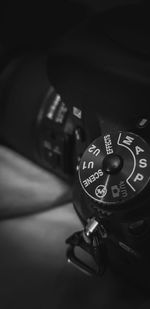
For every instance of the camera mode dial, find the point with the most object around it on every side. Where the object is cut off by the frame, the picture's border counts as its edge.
(115, 168)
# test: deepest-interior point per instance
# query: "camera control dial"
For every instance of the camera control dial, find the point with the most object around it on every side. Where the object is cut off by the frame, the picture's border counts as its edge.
(115, 168)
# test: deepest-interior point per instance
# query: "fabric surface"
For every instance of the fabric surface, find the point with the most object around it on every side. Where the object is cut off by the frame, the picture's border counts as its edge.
(26, 188)
(33, 267)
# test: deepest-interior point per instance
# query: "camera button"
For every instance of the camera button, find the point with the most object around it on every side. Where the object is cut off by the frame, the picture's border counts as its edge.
(142, 123)
(112, 164)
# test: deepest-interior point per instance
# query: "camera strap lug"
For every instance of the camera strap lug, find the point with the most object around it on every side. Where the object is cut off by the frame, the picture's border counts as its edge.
(89, 241)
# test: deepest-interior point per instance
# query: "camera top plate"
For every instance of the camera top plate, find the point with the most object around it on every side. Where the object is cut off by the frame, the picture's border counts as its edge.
(114, 169)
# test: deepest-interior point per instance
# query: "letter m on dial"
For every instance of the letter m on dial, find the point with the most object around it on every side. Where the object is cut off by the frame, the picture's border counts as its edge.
(128, 140)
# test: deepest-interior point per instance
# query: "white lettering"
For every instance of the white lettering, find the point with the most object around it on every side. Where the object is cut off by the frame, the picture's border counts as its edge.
(85, 183)
(92, 178)
(109, 151)
(138, 150)
(96, 175)
(96, 152)
(143, 163)
(90, 165)
(53, 107)
(138, 177)
(123, 189)
(128, 140)
(108, 144)
(100, 172)
(84, 165)
(92, 148)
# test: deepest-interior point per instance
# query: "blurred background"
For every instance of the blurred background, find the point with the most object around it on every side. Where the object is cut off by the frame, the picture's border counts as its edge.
(33, 267)
(25, 24)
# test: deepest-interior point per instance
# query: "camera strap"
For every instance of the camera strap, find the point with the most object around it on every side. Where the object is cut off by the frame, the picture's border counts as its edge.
(88, 241)
(93, 240)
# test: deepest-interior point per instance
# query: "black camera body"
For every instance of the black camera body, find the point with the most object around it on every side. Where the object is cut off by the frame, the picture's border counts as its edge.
(39, 120)
(55, 114)
(113, 206)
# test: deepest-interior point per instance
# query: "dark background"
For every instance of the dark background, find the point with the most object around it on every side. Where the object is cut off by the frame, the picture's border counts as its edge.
(23, 24)
(33, 268)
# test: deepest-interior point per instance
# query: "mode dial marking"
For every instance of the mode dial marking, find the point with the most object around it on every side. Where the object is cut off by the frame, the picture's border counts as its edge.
(141, 155)
(115, 168)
